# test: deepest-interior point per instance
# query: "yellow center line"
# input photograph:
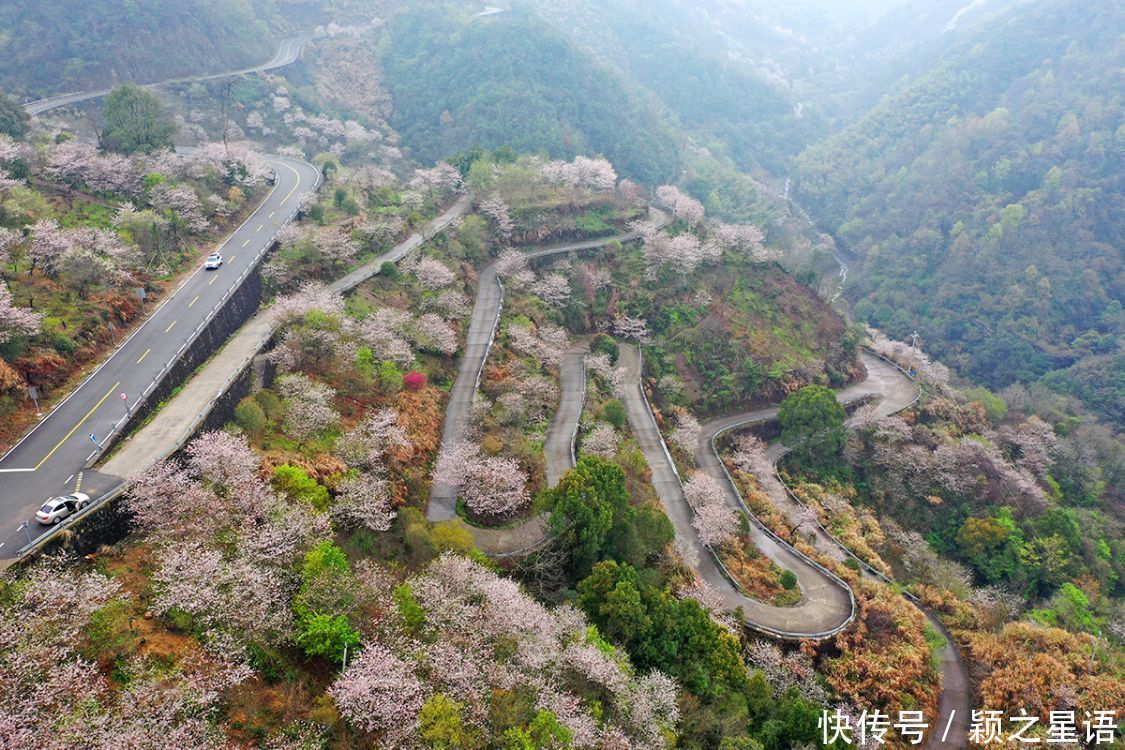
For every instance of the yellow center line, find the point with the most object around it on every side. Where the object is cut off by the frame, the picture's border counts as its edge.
(213, 280)
(247, 242)
(232, 258)
(142, 359)
(73, 429)
(194, 301)
(169, 328)
(272, 213)
(295, 186)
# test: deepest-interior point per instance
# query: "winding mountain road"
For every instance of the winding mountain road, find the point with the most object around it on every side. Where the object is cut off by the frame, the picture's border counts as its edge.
(826, 605)
(558, 447)
(892, 392)
(482, 330)
(287, 54)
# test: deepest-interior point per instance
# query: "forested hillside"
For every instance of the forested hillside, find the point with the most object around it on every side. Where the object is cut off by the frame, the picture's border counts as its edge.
(52, 47)
(984, 199)
(509, 80)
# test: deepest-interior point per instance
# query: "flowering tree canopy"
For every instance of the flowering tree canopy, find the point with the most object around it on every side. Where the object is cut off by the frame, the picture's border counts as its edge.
(714, 520)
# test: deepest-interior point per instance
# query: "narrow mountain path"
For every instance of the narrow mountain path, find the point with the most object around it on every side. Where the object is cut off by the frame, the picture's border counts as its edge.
(558, 448)
(892, 391)
(826, 605)
(482, 330)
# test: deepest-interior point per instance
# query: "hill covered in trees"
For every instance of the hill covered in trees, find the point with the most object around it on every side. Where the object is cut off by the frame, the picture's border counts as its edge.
(48, 48)
(510, 80)
(984, 200)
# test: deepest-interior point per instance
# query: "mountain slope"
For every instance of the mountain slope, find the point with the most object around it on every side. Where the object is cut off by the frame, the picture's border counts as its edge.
(62, 45)
(985, 197)
(510, 80)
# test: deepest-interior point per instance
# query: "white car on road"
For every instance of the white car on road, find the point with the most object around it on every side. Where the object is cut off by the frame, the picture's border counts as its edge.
(58, 508)
(214, 260)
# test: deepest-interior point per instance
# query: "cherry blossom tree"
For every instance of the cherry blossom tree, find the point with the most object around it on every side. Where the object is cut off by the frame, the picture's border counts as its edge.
(682, 206)
(16, 321)
(81, 165)
(750, 456)
(9, 238)
(687, 432)
(743, 238)
(227, 597)
(602, 441)
(166, 501)
(491, 486)
(716, 524)
(714, 520)
(367, 444)
(430, 332)
(49, 244)
(336, 247)
(379, 692)
(497, 210)
(313, 295)
(548, 342)
(786, 670)
(182, 201)
(632, 328)
(365, 501)
(308, 406)
(227, 462)
(1035, 445)
(554, 289)
(512, 266)
(385, 331)
(451, 304)
(433, 274)
(442, 181)
(583, 172)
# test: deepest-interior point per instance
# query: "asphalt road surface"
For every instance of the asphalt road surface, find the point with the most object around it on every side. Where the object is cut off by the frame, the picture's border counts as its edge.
(50, 459)
(558, 446)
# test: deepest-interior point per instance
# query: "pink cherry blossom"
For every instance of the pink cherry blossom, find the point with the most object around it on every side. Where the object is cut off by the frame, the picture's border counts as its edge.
(490, 486)
(497, 210)
(633, 328)
(16, 321)
(682, 206)
(433, 274)
(714, 520)
(313, 295)
(365, 500)
(554, 289)
(379, 692)
(602, 441)
(687, 432)
(308, 406)
(366, 445)
(336, 246)
(430, 332)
